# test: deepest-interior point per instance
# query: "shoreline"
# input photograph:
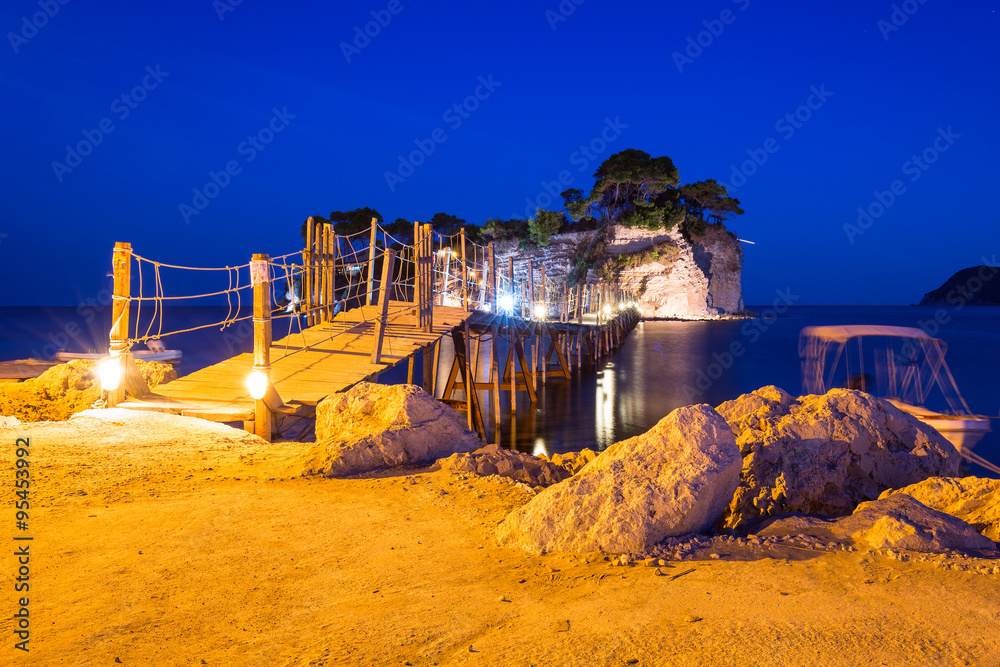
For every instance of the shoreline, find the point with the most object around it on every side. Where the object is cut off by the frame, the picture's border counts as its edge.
(195, 543)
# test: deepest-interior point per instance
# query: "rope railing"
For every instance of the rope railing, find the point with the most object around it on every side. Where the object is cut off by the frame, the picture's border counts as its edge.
(336, 273)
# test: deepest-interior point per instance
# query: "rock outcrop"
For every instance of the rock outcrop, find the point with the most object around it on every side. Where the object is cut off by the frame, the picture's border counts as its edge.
(66, 389)
(674, 479)
(494, 460)
(825, 454)
(374, 426)
(896, 522)
(974, 500)
(699, 280)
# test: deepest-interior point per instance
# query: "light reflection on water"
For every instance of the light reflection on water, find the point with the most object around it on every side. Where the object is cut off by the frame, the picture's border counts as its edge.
(666, 365)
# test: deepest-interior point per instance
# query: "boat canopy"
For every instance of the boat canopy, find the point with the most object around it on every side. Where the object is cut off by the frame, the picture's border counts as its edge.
(907, 363)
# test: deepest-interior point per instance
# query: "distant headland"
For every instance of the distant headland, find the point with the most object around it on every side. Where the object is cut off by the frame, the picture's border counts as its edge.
(974, 286)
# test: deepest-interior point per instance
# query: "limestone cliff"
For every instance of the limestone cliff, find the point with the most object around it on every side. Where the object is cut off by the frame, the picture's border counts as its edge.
(673, 277)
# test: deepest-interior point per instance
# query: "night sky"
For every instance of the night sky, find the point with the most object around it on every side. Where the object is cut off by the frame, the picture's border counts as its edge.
(839, 103)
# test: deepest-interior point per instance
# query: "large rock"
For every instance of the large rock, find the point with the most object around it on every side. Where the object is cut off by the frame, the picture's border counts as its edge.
(896, 522)
(494, 460)
(674, 479)
(825, 454)
(974, 500)
(374, 426)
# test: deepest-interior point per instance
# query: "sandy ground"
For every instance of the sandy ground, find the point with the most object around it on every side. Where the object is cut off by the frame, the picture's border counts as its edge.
(174, 542)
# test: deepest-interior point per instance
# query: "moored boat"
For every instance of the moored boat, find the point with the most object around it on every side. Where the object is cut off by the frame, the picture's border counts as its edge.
(909, 370)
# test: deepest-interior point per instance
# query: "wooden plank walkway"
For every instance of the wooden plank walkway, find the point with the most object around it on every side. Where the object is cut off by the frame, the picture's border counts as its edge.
(305, 367)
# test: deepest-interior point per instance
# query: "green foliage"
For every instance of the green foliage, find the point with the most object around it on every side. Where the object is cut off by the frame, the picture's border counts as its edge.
(544, 225)
(665, 253)
(694, 228)
(709, 201)
(497, 229)
(627, 190)
(352, 222)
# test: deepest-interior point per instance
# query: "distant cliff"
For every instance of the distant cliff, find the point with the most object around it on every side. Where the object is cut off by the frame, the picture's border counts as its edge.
(673, 278)
(974, 286)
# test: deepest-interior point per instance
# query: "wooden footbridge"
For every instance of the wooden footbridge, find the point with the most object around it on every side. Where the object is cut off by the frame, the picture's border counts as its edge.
(347, 326)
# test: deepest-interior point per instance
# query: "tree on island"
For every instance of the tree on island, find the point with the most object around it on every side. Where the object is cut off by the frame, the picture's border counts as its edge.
(636, 190)
(632, 189)
(347, 222)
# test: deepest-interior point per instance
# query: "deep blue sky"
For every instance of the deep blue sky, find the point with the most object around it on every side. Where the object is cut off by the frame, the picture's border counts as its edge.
(608, 60)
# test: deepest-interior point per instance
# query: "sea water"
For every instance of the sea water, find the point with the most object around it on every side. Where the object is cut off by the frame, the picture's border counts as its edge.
(662, 365)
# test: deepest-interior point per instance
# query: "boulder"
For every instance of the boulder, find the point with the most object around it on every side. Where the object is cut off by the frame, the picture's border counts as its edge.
(494, 460)
(574, 462)
(65, 389)
(374, 426)
(674, 479)
(825, 454)
(895, 522)
(900, 522)
(974, 500)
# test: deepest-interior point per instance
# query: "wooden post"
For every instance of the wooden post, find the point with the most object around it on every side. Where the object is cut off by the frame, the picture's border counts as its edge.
(418, 272)
(371, 261)
(428, 237)
(385, 290)
(495, 369)
(260, 278)
(121, 263)
(333, 273)
(307, 259)
(324, 251)
(492, 300)
(465, 273)
(531, 291)
(579, 304)
(541, 292)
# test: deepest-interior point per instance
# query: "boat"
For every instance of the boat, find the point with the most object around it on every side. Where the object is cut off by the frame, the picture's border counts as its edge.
(156, 352)
(909, 370)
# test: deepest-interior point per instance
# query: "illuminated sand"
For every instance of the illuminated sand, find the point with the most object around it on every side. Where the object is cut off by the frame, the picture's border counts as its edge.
(167, 542)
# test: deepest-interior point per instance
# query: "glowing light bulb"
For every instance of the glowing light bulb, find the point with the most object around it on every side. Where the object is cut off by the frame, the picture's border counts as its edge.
(540, 311)
(257, 383)
(506, 303)
(110, 373)
(607, 309)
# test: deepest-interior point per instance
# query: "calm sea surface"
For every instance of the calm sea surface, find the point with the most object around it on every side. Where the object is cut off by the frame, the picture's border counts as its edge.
(661, 366)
